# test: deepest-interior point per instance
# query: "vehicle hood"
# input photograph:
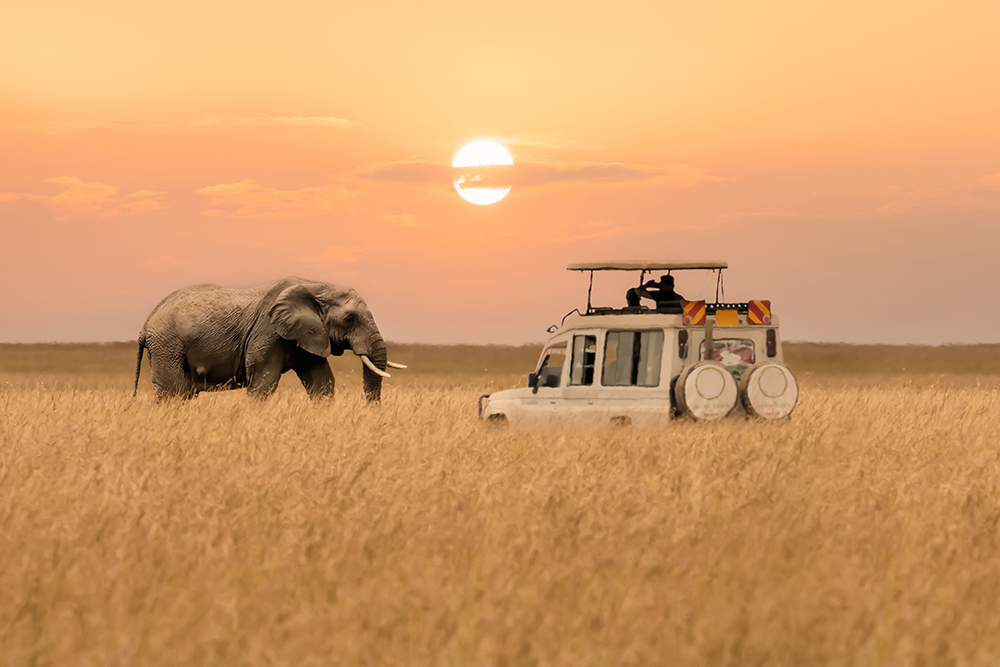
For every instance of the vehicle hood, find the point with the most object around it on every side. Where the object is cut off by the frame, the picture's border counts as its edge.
(507, 394)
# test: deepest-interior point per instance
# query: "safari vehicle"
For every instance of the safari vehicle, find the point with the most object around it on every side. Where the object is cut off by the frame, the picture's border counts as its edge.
(642, 364)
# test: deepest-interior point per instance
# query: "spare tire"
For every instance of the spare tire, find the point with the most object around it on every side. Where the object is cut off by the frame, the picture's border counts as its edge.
(769, 390)
(706, 391)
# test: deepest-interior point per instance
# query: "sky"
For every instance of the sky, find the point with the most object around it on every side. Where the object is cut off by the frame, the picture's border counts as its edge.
(842, 156)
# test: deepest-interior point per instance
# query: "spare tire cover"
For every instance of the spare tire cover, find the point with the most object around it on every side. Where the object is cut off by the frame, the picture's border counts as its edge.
(706, 391)
(769, 390)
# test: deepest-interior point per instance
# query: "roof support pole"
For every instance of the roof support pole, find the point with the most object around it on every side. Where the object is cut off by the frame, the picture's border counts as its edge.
(718, 284)
(590, 290)
(709, 339)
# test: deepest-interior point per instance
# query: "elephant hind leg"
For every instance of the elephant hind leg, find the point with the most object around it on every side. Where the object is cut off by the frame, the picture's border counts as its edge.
(171, 377)
(316, 376)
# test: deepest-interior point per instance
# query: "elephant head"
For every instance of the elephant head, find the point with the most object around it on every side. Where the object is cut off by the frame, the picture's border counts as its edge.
(325, 319)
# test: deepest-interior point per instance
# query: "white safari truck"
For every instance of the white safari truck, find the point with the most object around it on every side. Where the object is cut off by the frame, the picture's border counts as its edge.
(648, 364)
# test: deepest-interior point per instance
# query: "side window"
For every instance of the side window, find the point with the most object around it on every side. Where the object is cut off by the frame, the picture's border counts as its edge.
(550, 372)
(581, 372)
(737, 354)
(632, 358)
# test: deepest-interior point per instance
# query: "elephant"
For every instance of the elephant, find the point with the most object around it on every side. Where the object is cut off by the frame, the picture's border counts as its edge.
(211, 338)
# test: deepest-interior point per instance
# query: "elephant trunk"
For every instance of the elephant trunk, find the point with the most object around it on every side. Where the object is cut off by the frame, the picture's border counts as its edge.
(373, 381)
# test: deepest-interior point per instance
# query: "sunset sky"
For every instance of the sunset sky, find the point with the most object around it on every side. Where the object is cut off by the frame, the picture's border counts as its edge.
(843, 157)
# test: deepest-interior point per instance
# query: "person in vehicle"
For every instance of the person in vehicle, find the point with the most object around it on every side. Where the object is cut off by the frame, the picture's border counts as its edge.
(660, 292)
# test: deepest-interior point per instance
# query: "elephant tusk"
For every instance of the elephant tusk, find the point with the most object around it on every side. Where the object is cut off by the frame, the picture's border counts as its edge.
(372, 367)
(391, 364)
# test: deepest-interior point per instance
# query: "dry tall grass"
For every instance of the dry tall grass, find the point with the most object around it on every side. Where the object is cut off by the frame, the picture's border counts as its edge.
(220, 531)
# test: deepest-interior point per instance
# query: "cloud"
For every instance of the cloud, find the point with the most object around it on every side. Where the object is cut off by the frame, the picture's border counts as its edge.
(982, 195)
(339, 255)
(301, 121)
(590, 231)
(141, 205)
(14, 196)
(538, 141)
(564, 234)
(260, 203)
(608, 173)
(890, 201)
(991, 182)
(161, 264)
(415, 171)
(538, 174)
(404, 219)
(81, 197)
(54, 127)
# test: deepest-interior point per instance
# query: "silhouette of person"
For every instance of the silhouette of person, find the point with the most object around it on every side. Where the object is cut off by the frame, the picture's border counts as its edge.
(660, 292)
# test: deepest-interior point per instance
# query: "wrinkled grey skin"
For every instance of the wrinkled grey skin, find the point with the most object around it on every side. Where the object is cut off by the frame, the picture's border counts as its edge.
(210, 338)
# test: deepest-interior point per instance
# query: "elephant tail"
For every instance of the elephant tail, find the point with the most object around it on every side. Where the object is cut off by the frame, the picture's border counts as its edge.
(138, 362)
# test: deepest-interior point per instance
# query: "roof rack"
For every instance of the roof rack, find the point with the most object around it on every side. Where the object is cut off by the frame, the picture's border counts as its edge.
(663, 308)
(647, 265)
(644, 265)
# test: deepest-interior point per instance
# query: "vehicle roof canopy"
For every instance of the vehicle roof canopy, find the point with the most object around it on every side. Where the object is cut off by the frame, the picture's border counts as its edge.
(647, 265)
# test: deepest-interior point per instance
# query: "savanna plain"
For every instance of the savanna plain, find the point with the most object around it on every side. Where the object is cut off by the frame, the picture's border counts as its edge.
(221, 531)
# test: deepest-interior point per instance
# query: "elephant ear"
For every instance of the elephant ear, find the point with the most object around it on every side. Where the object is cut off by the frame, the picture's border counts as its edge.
(296, 316)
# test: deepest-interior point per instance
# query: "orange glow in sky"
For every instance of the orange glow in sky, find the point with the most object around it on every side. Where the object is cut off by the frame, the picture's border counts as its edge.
(843, 157)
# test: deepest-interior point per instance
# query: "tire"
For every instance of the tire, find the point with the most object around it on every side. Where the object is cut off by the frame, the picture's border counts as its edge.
(769, 390)
(706, 391)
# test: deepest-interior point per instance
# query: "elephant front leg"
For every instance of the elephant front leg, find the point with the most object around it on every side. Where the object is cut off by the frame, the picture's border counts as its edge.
(263, 377)
(316, 376)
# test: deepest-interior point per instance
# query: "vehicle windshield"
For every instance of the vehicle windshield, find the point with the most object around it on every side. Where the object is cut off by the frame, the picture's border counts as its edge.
(550, 372)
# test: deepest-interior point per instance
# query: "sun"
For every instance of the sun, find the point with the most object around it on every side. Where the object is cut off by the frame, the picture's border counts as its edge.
(482, 153)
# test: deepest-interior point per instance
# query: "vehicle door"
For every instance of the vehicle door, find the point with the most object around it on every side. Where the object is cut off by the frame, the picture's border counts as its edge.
(580, 395)
(546, 396)
(632, 382)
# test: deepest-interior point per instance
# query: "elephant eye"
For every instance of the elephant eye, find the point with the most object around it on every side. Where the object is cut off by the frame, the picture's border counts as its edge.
(348, 320)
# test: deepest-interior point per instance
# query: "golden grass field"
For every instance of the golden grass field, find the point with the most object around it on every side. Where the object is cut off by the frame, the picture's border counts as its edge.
(864, 531)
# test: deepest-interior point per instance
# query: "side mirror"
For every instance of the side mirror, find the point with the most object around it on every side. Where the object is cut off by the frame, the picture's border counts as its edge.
(532, 380)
